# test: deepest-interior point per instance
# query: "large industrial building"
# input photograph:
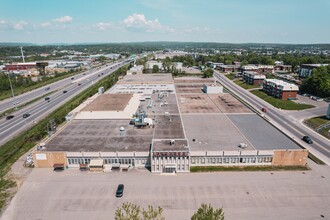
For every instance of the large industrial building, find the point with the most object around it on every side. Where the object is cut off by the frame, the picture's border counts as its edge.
(166, 125)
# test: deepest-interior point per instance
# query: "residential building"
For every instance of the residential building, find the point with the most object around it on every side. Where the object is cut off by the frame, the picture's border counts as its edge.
(306, 69)
(229, 68)
(280, 89)
(253, 78)
(258, 68)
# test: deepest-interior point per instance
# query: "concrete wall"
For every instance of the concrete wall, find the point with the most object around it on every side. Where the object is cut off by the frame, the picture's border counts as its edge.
(48, 159)
(290, 158)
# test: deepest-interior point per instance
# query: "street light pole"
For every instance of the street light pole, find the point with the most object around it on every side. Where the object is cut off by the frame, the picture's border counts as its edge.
(12, 91)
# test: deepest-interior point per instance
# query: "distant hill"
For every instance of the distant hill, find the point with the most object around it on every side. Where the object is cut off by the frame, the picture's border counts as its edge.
(6, 44)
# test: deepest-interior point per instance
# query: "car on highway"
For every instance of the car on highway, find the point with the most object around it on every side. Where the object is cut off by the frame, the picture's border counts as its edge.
(98, 75)
(65, 91)
(307, 139)
(72, 78)
(120, 190)
(48, 88)
(264, 110)
(79, 84)
(9, 117)
(47, 99)
(26, 115)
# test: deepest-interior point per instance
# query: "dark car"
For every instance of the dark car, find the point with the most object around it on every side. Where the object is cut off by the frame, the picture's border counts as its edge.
(72, 78)
(120, 190)
(98, 75)
(307, 139)
(26, 115)
(47, 99)
(65, 91)
(264, 110)
(79, 84)
(48, 88)
(9, 117)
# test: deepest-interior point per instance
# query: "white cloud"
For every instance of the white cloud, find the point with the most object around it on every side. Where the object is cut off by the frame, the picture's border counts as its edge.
(20, 25)
(45, 24)
(3, 22)
(104, 26)
(138, 22)
(64, 19)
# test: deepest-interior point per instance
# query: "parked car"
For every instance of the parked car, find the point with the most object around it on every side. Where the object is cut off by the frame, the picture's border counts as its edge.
(26, 115)
(307, 139)
(9, 117)
(120, 190)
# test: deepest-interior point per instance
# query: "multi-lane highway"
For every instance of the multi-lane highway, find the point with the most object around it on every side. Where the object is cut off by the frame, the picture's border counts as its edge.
(28, 96)
(41, 108)
(280, 117)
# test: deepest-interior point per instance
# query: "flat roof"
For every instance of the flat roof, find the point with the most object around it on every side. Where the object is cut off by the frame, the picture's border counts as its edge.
(101, 135)
(213, 132)
(109, 102)
(147, 78)
(262, 135)
(170, 145)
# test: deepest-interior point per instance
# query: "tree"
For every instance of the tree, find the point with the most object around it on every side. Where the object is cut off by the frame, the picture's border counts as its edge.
(208, 73)
(206, 212)
(155, 69)
(318, 83)
(129, 211)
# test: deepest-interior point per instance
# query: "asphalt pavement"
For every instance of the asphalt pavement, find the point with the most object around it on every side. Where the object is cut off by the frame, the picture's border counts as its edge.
(285, 122)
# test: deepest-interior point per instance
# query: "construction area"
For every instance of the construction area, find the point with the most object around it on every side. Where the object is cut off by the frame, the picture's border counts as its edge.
(166, 125)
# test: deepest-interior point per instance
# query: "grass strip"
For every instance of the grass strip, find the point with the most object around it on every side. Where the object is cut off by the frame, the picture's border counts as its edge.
(279, 103)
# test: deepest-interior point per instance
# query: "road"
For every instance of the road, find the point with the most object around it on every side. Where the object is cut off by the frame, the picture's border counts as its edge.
(28, 96)
(286, 122)
(41, 108)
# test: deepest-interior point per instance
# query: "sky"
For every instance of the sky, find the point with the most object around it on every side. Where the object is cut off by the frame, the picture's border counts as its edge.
(227, 21)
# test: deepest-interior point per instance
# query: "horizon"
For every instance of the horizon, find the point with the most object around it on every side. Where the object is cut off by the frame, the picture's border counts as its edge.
(236, 22)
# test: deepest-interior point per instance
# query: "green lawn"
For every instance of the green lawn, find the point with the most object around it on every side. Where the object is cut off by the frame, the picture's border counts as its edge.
(230, 76)
(279, 103)
(245, 168)
(316, 122)
(244, 85)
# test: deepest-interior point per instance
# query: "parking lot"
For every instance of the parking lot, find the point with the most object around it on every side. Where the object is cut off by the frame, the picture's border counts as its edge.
(48, 195)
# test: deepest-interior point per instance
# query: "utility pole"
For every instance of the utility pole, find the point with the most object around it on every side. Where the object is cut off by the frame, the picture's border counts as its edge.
(12, 91)
(22, 54)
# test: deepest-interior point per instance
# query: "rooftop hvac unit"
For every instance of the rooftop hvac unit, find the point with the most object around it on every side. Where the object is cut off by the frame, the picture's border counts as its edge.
(242, 145)
(172, 142)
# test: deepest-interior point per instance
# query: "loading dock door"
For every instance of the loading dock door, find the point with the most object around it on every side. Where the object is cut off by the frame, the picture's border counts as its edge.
(169, 168)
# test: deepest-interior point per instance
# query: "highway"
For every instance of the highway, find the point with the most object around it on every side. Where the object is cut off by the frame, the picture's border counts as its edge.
(28, 96)
(41, 108)
(291, 125)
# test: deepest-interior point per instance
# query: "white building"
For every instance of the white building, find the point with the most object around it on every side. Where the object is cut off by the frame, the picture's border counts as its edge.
(212, 89)
(152, 63)
(135, 70)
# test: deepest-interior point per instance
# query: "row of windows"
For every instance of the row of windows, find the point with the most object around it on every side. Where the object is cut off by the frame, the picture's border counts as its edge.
(221, 160)
(178, 167)
(166, 159)
(79, 160)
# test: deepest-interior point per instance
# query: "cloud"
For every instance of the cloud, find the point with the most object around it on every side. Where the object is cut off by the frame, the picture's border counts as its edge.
(104, 26)
(45, 24)
(3, 22)
(64, 19)
(20, 25)
(138, 22)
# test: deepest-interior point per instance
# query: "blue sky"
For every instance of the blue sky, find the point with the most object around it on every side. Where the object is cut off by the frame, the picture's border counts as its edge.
(233, 21)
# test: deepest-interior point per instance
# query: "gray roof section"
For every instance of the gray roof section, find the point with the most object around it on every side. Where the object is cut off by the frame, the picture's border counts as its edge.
(261, 134)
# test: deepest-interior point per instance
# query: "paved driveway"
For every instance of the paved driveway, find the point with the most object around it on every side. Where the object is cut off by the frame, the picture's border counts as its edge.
(48, 195)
